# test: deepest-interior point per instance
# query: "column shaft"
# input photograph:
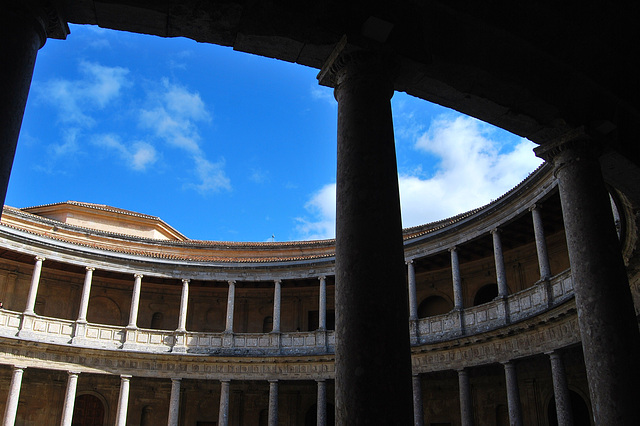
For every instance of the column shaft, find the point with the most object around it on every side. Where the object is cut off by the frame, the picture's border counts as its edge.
(135, 301)
(14, 396)
(231, 301)
(418, 410)
(413, 298)
(541, 244)
(370, 269)
(321, 415)
(86, 290)
(466, 403)
(322, 306)
(33, 289)
(223, 416)
(561, 390)
(276, 306)
(184, 303)
(123, 401)
(501, 275)
(606, 315)
(69, 399)
(513, 394)
(273, 403)
(21, 36)
(174, 403)
(457, 280)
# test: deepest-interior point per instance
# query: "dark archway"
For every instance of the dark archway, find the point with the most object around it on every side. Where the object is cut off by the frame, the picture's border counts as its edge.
(88, 411)
(434, 305)
(267, 324)
(579, 409)
(311, 418)
(486, 294)
(156, 321)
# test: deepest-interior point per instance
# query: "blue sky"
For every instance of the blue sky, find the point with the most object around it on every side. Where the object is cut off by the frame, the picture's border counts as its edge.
(224, 145)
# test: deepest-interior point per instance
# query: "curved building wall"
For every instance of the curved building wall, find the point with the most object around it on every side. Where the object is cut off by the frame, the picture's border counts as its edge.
(227, 323)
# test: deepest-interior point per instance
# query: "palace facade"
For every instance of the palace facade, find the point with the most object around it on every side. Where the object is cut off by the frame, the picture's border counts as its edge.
(119, 319)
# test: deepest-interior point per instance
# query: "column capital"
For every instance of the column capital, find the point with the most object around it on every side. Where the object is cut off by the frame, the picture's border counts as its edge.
(90, 268)
(322, 277)
(321, 380)
(495, 231)
(369, 63)
(125, 377)
(186, 281)
(452, 249)
(409, 261)
(579, 139)
(535, 206)
(176, 379)
(231, 282)
(277, 281)
(73, 373)
(40, 258)
(273, 381)
(225, 380)
(138, 276)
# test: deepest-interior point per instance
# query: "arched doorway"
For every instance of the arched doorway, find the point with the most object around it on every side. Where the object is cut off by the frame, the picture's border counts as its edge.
(486, 294)
(311, 417)
(579, 409)
(88, 410)
(433, 305)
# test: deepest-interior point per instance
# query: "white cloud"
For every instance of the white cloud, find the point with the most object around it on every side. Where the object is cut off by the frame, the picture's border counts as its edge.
(322, 206)
(173, 115)
(212, 176)
(137, 156)
(474, 168)
(98, 86)
(322, 93)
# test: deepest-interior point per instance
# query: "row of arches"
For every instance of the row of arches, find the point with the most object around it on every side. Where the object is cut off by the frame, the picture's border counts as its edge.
(438, 305)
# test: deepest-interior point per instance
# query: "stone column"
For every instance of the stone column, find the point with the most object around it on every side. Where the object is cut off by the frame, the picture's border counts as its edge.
(33, 290)
(541, 244)
(513, 394)
(606, 315)
(321, 415)
(135, 301)
(413, 298)
(231, 301)
(457, 281)
(418, 409)
(22, 34)
(86, 290)
(466, 403)
(561, 390)
(184, 303)
(273, 403)
(123, 400)
(370, 269)
(11, 408)
(501, 275)
(322, 306)
(223, 416)
(69, 399)
(174, 402)
(276, 306)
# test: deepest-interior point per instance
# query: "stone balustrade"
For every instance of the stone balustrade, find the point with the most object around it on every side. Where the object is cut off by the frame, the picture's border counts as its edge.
(478, 319)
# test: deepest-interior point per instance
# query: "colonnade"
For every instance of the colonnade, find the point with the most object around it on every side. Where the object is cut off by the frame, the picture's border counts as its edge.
(503, 290)
(369, 235)
(184, 300)
(13, 396)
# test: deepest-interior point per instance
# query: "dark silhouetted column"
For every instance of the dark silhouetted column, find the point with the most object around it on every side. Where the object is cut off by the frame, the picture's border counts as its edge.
(606, 316)
(373, 380)
(466, 403)
(513, 394)
(561, 390)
